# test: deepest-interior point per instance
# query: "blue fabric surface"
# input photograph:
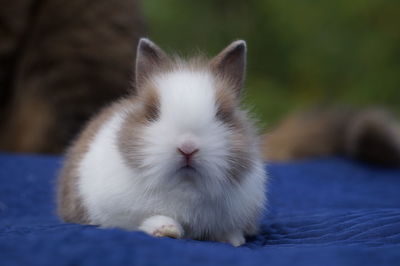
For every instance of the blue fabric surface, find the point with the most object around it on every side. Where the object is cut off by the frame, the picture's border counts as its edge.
(321, 212)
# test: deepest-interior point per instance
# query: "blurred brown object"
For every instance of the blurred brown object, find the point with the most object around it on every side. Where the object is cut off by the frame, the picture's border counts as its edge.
(60, 61)
(370, 135)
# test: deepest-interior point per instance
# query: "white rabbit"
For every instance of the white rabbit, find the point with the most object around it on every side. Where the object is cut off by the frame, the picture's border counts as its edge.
(179, 158)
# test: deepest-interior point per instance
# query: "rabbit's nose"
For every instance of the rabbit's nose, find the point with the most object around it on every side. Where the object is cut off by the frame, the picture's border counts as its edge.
(187, 150)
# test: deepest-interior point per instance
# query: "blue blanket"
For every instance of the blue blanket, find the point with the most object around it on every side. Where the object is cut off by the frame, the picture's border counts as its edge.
(321, 212)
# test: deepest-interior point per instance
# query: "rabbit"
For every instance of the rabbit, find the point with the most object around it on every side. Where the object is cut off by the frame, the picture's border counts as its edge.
(179, 158)
(370, 135)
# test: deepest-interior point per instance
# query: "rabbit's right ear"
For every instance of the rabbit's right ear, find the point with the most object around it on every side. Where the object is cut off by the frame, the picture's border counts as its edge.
(149, 59)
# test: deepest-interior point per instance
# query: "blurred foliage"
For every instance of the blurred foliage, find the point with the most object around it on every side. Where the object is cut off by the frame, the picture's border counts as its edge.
(301, 52)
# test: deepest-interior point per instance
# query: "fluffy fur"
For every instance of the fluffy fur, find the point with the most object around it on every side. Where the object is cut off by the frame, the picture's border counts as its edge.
(60, 63)
(371, 135)
(126, 171)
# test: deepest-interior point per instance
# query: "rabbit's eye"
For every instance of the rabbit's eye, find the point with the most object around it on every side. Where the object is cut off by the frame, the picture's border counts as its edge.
(151, 105)
(224, 115)
(152, 112)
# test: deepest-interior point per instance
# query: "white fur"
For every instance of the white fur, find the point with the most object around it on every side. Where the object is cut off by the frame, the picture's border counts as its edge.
(235, 238)
(160, 225)
(186, 97)
(205, 202)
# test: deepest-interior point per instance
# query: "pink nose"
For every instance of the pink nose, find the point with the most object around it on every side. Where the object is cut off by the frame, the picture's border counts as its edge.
(187, 150)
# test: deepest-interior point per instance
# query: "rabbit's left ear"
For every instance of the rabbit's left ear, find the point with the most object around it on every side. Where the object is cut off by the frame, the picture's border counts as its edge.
(149, 59)
(230, 64)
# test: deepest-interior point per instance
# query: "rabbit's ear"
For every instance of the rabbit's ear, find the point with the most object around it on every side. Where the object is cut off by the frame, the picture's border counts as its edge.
(230, 64)
(149, 59)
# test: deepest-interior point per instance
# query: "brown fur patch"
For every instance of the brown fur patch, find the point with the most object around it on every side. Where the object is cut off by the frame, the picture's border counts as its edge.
(306, 134)
(243, 132)
(374, 137)
(73, 57)
(147, 105)
(370, 135)
(242, 148)
(227, 102)
(150, 102)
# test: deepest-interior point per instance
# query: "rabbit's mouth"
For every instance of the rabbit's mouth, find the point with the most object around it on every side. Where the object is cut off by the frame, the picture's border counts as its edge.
(188, 169)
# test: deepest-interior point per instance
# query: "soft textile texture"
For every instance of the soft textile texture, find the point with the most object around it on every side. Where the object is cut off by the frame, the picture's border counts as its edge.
(321, 212)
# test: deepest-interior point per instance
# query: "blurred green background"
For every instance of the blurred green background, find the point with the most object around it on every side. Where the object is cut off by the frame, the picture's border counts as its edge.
(301, 52)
